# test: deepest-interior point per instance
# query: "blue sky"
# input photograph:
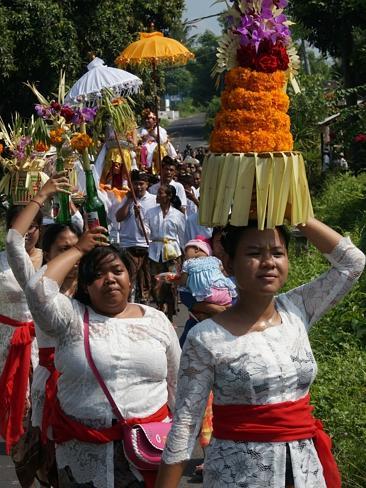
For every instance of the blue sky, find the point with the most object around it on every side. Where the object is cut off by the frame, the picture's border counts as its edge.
(201, 8)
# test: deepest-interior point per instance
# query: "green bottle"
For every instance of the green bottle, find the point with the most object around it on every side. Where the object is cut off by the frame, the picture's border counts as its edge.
(63, 214)
(94, 207)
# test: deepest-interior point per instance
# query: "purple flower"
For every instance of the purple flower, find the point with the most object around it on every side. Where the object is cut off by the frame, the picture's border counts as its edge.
(43, 111)
(88, 114)
(85, 114)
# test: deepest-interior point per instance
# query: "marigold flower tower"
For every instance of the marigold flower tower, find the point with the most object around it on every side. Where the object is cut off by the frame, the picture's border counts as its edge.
(251, 155)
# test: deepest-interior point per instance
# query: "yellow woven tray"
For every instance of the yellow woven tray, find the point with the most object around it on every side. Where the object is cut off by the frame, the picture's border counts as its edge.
(228, 182)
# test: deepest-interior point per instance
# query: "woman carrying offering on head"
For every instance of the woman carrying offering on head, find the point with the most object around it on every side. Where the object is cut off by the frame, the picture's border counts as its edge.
(56, 239)
(256, 358)
(134, 348)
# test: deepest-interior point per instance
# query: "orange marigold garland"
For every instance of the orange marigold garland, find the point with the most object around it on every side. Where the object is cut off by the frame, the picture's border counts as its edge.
(254, 80)
(253, 113)
(57, 136)
(80, 141)
(240, 98)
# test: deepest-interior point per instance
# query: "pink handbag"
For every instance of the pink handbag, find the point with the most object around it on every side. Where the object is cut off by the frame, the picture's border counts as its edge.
(143, 444)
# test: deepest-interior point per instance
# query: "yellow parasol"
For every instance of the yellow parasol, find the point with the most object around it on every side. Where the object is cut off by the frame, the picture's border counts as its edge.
(154, 48)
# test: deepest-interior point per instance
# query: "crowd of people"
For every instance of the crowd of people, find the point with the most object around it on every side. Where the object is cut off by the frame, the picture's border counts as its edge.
(88, 349)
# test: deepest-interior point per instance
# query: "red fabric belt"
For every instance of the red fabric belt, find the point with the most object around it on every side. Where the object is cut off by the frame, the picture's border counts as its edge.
(14, 381)
(279, 422)
(46, 359)
(65, 428)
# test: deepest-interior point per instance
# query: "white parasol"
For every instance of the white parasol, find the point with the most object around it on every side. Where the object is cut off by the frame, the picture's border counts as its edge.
(88, 88)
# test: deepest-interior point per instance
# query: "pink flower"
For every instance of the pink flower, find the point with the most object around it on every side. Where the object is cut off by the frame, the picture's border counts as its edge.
(360, 138)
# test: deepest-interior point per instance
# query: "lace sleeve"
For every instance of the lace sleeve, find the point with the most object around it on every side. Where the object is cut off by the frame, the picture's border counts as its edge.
(52, 311)
(314, 299)
(18, 258)
(173, 353)
(196, 374)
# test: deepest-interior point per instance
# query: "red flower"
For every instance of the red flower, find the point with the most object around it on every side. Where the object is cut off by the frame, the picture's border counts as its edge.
(56, 106)
(266, 63)
(280, 52)
(246, 57)
(269, 57)
(360, 138)
(67, 113)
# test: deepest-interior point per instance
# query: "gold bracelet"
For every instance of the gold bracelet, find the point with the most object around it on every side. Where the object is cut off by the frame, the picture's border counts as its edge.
(35, 201)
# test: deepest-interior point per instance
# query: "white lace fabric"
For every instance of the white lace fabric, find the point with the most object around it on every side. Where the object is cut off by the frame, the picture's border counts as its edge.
(137, 358)
(23, 270)
(13, 304)
(271, 366)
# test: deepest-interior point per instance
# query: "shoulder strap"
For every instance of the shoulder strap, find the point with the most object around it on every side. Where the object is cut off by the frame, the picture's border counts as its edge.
(96, 373)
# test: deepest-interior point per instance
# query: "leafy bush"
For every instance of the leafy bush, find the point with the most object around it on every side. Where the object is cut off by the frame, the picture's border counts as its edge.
(342, 203)
(211, 111)
(188, 107)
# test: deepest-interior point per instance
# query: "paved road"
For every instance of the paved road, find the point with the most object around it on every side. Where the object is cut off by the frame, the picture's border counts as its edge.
(188, 131)
(7, 474)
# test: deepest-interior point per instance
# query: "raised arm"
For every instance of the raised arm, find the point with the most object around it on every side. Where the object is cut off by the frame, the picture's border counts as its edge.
(58, 183)
(323, 237)
(314, 299)
(123, 211)
(59, 267)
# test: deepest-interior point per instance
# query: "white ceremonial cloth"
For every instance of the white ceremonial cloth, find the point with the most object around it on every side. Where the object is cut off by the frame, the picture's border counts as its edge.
(169, 227)
(179, 189)
(130, 232)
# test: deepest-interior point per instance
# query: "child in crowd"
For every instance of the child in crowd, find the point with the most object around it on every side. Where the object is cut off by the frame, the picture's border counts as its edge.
(203, 275)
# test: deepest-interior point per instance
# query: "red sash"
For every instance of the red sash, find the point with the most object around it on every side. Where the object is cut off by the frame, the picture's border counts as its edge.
(65, 429)
(46, 359)
(279, 422)
(14, 381)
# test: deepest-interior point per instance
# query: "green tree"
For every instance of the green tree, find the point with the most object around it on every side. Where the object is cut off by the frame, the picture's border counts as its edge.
(40, 37)
(336, 27)
(203, 88)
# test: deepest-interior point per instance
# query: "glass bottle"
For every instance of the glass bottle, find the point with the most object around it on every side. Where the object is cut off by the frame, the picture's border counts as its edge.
(63, 213)
(94, 207)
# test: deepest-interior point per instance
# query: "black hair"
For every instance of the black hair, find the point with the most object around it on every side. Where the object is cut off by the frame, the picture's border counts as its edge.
(90, 264)
(168, 161)
(15, 210)
(170, 190)
(137, 175)
(186, 180)
(53, 231)
(231, 236)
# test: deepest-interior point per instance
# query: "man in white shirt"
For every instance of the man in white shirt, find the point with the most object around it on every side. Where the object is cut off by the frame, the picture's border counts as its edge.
(168, 170)
(132, 238)
(192, 194)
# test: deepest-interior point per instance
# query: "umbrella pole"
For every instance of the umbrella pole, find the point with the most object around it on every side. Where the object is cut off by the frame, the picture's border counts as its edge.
(132, 189)
(155, 78)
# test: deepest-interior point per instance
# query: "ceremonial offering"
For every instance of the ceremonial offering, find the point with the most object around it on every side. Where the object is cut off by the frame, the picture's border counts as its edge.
(23, 158)
(252, 170)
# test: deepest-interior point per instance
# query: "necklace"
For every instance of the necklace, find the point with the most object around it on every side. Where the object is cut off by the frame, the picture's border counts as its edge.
(265, 324)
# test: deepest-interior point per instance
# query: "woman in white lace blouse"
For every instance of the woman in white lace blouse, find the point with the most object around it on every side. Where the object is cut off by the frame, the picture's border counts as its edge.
(135, 349)
(56, 239)
(257, 360)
